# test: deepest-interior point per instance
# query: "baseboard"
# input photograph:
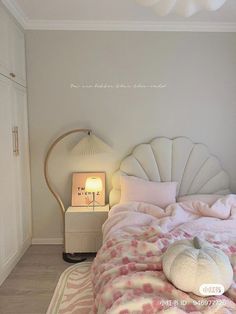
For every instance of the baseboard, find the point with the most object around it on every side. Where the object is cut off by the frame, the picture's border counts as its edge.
(12, 263)
(47, 241)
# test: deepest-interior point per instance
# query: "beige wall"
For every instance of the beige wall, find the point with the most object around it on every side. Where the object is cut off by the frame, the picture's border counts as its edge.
(199, 100)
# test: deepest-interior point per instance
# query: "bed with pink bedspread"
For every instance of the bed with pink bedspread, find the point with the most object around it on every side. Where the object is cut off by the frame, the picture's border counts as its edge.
(127, 273)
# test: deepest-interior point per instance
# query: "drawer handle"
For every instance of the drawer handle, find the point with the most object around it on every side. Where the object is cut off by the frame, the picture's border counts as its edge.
(12, 74)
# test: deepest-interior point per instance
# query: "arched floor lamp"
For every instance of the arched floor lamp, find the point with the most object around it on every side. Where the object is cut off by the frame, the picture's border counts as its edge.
(88, 145)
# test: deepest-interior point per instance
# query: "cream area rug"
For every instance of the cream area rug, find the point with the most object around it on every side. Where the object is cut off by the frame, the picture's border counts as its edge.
(73, 293)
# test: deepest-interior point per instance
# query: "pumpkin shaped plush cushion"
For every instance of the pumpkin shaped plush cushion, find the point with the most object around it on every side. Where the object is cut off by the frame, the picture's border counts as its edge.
(188, 264)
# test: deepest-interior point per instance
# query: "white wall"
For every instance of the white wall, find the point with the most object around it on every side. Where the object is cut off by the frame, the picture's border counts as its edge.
(199, 101)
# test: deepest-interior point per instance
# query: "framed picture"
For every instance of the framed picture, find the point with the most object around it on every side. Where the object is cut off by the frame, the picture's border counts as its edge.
(81, 197)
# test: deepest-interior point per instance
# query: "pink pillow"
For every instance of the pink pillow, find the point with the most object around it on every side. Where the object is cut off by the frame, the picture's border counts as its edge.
(205, 198)
(134, 189)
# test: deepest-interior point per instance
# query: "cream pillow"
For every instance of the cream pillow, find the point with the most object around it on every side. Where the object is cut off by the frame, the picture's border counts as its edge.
(134, 189)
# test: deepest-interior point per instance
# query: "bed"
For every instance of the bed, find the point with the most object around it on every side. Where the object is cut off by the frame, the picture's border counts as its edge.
(127, 273)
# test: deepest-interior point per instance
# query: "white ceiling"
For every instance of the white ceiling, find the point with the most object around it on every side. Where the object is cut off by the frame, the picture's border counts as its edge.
(114, 14)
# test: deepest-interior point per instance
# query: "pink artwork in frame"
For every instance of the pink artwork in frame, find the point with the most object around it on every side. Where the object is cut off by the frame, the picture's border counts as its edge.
(82, 198)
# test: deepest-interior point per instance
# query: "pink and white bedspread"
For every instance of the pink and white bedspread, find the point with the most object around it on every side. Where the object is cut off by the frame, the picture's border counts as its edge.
(127, 273)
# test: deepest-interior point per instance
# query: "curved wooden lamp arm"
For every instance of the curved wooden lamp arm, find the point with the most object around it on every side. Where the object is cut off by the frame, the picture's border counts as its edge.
(46, 176)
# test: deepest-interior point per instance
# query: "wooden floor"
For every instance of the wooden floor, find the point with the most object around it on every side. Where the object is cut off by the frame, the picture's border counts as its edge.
(30, 286)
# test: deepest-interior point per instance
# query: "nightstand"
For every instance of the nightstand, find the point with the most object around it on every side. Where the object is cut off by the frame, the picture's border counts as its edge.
(83, 228)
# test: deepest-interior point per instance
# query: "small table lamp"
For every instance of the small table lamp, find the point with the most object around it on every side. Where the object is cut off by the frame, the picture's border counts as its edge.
(94, 185)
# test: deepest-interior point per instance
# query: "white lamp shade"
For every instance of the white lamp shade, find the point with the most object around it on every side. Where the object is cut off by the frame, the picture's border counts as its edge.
(93, 184)
(91, 145)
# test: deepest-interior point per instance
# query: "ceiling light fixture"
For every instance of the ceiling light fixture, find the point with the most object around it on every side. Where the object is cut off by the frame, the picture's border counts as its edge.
(185, 8)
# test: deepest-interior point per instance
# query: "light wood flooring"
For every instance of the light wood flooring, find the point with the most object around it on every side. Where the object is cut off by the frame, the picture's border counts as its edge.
(30, 286)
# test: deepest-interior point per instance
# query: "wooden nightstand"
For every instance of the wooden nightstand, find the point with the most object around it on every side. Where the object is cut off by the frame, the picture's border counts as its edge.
(83, 228)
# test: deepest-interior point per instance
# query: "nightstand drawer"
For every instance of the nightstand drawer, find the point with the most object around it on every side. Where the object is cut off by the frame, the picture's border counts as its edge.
(82, 242)
(85, 222)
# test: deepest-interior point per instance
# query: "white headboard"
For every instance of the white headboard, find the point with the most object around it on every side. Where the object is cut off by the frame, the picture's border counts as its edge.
(179, 160)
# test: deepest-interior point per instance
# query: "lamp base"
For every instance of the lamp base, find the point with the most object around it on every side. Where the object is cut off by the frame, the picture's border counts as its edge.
(73, 258)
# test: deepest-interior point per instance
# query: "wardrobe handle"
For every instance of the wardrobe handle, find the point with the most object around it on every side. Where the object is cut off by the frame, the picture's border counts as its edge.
(15, 140)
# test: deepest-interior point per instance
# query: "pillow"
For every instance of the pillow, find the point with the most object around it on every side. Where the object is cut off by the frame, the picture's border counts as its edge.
(134, 189)
(205, 198)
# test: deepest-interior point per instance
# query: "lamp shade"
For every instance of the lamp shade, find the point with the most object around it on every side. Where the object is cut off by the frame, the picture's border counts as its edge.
(91, 145)
(93, 184)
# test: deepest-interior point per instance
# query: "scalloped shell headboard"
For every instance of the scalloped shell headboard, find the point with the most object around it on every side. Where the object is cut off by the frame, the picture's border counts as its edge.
(179, 160)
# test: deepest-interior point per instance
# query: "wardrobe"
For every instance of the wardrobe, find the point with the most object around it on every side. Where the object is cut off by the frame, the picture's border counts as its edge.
(15, 191)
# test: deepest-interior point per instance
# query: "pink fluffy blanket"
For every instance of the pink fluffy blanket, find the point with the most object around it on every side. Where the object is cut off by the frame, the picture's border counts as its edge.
(127, 273)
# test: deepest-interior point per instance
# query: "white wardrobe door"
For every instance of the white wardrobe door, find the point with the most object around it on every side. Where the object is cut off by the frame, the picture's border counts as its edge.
(23, 172)
(17, 48)
(8, 208)
(4, 43)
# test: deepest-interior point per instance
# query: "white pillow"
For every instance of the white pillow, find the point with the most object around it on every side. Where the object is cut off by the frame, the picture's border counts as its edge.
(134, 189)
(205, 198)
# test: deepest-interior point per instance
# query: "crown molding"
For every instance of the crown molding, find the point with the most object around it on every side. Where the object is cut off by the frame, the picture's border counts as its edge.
(16, 11)
(114, 25)
(130, 26)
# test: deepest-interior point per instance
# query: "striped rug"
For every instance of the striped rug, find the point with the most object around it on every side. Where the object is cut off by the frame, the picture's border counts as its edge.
(73, 293)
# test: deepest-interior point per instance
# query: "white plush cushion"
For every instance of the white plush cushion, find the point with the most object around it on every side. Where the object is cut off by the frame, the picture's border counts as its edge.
(189, 264)
(205, 198)
(134, 189)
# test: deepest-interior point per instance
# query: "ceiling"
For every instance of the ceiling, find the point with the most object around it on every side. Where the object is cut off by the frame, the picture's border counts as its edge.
(115, 15)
